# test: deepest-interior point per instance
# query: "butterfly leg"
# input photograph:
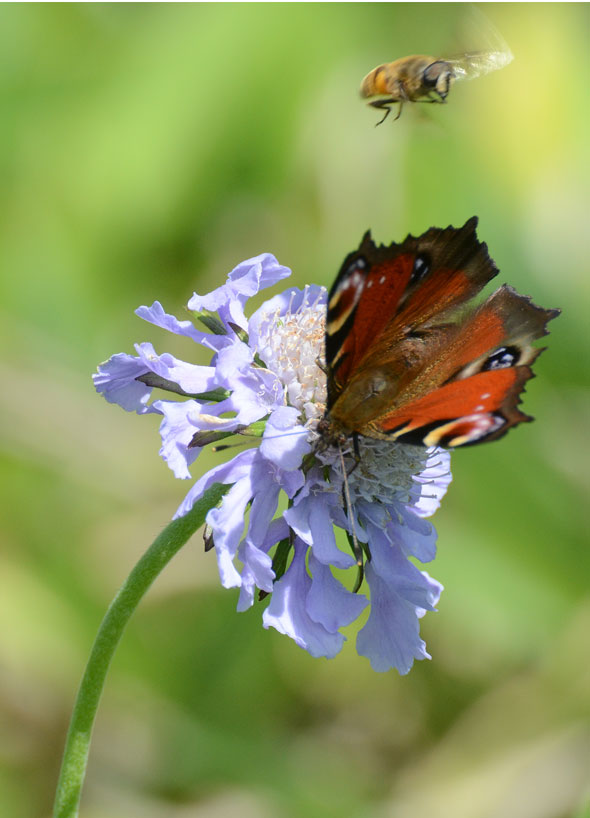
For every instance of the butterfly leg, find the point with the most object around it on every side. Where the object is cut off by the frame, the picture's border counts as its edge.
(356, 449)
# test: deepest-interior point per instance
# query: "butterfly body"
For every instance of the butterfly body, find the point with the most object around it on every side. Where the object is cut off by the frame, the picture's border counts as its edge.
(408, 359)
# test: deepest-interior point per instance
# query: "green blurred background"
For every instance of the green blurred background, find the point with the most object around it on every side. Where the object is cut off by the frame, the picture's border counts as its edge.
(147, 149)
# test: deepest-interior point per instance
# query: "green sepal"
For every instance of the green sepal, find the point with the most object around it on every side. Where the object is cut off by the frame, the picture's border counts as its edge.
(241, 333)
(211, 321)
(157, 382)
(206, 437)
(279, 563)
(255, 429)
(357, 550)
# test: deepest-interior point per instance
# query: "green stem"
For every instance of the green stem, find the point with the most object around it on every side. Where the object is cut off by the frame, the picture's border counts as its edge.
(158, 555)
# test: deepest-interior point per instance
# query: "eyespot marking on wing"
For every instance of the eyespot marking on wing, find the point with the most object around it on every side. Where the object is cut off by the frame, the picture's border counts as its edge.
(502, 358)
(422, 265)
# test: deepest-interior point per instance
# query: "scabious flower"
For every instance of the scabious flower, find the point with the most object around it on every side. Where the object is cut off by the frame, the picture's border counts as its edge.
(265, 381)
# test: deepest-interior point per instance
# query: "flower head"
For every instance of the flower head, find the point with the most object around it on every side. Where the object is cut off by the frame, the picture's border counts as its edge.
(265, 382)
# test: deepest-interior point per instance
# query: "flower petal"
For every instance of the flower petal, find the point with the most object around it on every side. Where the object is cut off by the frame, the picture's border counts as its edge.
(177, 430)
(244, 281)
(190, 377)
(285, 442)
(391, 638)
(265, 500)
(156, 315)
(287, 611)
(257, 573)
(328, 602)
(310, 520)
(391, 565)
(432, 483)
(117, 382)
(415, 535)
(227, 524)
(229, 472)
(255, 391)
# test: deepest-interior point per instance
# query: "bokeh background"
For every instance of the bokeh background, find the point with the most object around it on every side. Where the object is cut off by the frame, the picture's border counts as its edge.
(146, 150)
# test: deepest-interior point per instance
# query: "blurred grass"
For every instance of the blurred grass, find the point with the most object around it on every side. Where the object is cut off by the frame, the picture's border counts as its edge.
(145, 150)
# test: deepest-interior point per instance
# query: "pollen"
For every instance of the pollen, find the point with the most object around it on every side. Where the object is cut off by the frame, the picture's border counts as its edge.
(291, 344)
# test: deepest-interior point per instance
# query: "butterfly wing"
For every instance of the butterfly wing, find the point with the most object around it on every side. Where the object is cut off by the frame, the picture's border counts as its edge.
(400, 368)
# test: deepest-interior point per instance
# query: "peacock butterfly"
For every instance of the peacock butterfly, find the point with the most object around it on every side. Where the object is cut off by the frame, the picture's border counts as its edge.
(408, 359)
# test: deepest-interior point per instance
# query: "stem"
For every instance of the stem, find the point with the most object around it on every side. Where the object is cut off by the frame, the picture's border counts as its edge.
(158, 555)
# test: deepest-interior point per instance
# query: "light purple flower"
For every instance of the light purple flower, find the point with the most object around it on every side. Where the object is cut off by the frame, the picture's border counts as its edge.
(264, 383)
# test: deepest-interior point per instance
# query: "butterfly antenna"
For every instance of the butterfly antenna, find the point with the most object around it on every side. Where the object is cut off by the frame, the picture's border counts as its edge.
(287, 434)
(353, 539)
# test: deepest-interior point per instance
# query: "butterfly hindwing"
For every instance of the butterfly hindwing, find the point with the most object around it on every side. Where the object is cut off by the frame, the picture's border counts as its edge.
(472, 392)
(466, 411)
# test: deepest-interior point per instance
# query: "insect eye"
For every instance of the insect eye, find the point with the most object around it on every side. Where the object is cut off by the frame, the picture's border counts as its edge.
(432, 72)
(502, 358)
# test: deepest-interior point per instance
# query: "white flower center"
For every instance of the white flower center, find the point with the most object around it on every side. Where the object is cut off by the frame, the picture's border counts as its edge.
(291, 344)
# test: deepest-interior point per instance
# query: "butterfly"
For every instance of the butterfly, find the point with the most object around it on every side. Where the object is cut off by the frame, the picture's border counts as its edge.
(410, 359)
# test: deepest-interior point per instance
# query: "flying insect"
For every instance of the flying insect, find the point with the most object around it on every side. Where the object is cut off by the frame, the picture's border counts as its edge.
(420, 78)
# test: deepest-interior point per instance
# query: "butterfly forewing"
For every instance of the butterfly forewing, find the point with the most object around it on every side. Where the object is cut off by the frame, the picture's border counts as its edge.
(384, 293)
(362, 300)
(454, 266)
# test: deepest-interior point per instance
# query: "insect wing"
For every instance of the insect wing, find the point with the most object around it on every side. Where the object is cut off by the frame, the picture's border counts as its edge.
(478, 63)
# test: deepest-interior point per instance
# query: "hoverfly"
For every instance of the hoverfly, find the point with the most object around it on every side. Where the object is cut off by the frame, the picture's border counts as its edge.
(426, 79)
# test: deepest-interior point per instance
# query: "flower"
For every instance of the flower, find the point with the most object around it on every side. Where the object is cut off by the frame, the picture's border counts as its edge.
(266, 383)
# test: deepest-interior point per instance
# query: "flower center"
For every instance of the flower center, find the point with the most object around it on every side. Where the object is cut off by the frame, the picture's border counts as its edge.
(291, 343)
(386, 470)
